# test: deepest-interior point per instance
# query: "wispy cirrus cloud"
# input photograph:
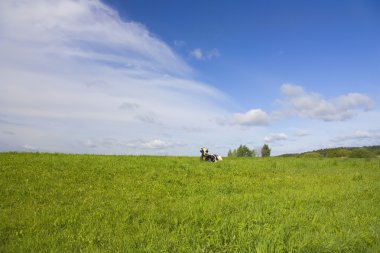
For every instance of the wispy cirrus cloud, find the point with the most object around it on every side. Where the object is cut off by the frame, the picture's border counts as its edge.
(80, 64)
(72, 29)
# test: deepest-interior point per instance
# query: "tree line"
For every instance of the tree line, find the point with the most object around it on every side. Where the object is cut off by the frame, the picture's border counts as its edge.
(244, 151)
(350, 152)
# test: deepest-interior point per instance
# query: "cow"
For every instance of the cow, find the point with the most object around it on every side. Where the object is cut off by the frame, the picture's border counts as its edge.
(205, 156)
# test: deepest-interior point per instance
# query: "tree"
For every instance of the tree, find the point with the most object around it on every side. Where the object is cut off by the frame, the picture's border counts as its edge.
(244, 151)
(241, 151)
(232, 153)
(265, 151)
(337, 152)
(311, 155)
(361, 153)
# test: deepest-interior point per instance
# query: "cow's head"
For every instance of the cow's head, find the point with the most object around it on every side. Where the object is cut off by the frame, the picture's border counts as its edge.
(204, 151)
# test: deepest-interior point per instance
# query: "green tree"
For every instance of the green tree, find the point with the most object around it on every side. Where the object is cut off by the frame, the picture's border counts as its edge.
(241, 151)
(311, 155)
(244, 151)
(361, 153)
(232, 153)
(265, 151)
(337, 152)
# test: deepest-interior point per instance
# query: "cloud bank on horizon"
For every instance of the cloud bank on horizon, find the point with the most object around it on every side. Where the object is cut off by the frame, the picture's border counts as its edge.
(75, 77)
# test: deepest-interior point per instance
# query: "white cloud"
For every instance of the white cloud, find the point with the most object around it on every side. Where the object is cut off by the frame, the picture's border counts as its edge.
(29, 148)
(364, 134)
(131, 146)
(254, 117)
(314, 106)
(156, 144)
(128, 106)
(354, 101)
(292, 90)
(78, 66)
(75, 77)
(88, 30)
(302, 133)
(199, 54)
(214, 53)
(275, 137)
(360, 135)
(179, 43)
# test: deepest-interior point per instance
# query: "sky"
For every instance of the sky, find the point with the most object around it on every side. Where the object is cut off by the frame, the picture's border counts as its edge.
(169, 77)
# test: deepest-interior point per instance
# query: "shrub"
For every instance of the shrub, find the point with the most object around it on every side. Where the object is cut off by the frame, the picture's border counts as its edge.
(311, 155)
(361, 153)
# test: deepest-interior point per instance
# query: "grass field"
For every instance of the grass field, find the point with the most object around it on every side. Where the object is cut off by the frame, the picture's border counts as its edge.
(88, 203)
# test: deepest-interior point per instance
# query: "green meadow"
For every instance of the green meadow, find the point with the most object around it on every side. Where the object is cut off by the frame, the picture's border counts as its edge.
(99, 203)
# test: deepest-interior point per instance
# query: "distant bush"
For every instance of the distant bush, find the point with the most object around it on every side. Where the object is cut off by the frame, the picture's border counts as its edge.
(311, 155)
(337, 152)
(375, 150)
(361, 153)
(351, 152)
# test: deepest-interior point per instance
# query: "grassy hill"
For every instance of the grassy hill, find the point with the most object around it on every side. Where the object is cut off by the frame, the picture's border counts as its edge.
(88, 203)
(351, 152)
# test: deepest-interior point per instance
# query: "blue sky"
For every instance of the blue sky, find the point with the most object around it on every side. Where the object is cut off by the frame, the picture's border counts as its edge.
(168, 77)
(263, 44)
